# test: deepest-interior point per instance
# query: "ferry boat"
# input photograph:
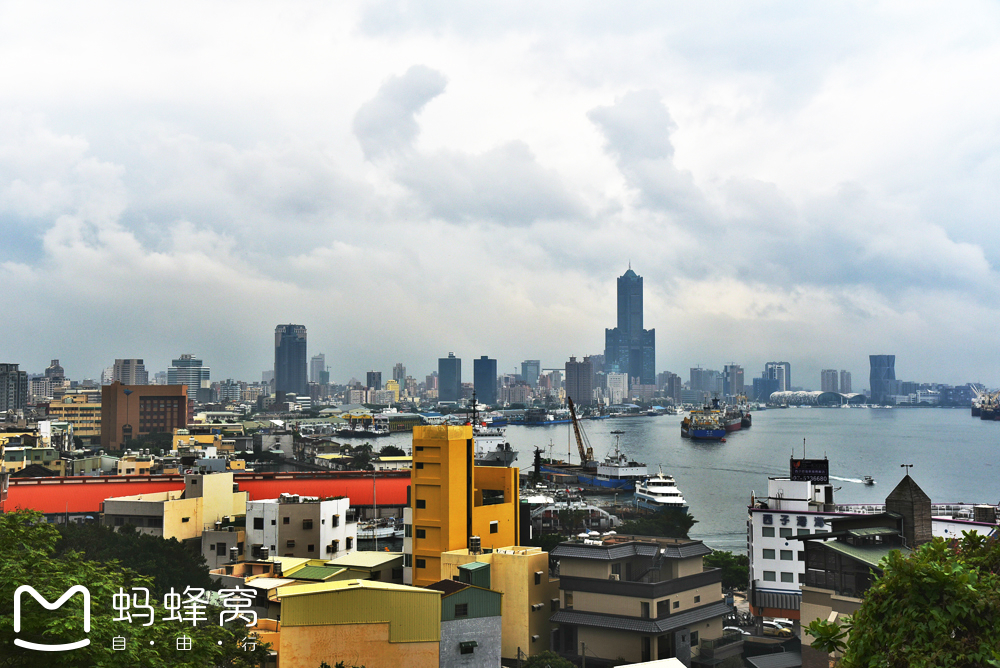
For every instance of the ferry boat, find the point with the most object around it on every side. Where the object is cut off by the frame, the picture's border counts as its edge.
(659, 491)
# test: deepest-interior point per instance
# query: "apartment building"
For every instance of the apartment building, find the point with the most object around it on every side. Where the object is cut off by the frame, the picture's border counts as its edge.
(301, 526)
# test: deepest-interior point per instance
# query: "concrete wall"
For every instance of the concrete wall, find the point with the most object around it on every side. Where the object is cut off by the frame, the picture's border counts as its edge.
(818, 604)
(485, 630)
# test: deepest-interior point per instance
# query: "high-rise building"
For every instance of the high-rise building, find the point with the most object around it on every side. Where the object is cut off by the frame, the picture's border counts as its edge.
(617, 387)
(133, 411)
(13, 388)
(54, 371)
(705, 380)
(290, 359)
(317, 367)
(628, 348)
(845, 381)
(484, 379)
(883, 373)
(399, 374)
(530, 370)
(373, 380)
(449, 378)
(828, 381)
(579, 382)
(781, 372)
(190, 371)
(130, 372)
(732, 380)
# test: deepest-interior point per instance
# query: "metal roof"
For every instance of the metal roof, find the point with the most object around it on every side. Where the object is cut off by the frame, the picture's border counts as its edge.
(873, 531)
(638, 625)
(779, 660)
(778, 600)
(367, 559)
(315, 573)
(269, 583)
(610, 552)
(347, 585)
(866, 554)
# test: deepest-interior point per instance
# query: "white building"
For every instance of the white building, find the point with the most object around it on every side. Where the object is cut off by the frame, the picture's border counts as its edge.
(617, 387)
(301, 526)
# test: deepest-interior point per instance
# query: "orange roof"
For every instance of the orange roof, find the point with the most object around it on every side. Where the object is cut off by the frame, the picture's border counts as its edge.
(86, 494)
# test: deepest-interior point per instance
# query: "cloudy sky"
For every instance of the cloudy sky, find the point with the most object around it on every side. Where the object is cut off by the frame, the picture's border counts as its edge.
(797, 181)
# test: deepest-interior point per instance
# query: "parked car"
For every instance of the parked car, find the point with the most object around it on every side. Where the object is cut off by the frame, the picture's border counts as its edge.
(775, 629)
(735, 629)
(787, 623)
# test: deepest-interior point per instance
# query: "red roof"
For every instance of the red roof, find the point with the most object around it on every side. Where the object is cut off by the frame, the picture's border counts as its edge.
(86, 494)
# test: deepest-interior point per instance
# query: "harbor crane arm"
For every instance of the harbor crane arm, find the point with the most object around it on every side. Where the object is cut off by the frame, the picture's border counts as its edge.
(586, 454)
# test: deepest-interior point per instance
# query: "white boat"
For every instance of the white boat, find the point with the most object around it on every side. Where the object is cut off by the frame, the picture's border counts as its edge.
(868, 480)
(385, 527)
(659, 491)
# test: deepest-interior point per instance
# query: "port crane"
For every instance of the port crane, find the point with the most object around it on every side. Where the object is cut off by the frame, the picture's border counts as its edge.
(586, 453)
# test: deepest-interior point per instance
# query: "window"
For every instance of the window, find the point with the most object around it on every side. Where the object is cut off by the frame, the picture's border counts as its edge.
(786, 555)
(677, 604)
(311, 548)
(335, 521)
(220, 548)
(421, 563)
(420, 448)
(185, 519)
(421, 503)
(767, 532)
(468, 647)
(494, 527)
(421, 533)
(258, 523)
(408, 531)
(286, 520)
(408, 560)
(273, 522)
(336, 546)
(461, 609)
(554, 605)
(802, 532)
(769, 554)
(769, 576)
(538, 577)
(307, 524)
(787, 577)
(616, 569)
(694, 639)
(785, 533)
(420, 465)
(568, 600)
(290, 543)
(119, 521)
(350, 542)
(697, 599)
(644, 610)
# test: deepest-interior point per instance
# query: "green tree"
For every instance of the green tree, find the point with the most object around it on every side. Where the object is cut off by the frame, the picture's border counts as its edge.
(547, 541)
(392, 451)
(939, 606)
(27, 556)
(666, 522)
(547, 659)
(168, 562)
(735, 568)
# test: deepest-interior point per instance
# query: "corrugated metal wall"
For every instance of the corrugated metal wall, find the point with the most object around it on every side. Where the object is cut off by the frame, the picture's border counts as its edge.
(413, 616)
(480, 602)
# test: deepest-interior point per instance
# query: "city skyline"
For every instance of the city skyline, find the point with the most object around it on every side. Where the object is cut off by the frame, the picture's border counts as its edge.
(475, 179)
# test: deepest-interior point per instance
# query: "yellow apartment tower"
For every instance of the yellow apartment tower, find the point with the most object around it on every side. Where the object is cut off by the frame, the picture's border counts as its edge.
(452, 499)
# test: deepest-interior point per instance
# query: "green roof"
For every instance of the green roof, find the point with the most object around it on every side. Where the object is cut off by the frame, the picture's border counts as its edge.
(315, 573)
(475, 565)
(866, 554)
(873, 531)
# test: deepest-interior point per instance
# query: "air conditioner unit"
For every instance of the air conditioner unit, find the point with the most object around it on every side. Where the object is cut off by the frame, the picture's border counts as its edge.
(536, 606)
(615, 576)
(329, 549)
(534, 638)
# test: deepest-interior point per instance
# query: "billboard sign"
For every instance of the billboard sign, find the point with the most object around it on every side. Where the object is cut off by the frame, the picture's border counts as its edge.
(816, 470)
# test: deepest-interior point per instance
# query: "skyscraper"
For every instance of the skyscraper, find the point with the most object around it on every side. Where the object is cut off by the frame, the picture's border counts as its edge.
(317, 367)
(628, 348)
(580, 382)
(290, 359)
(449, 378)
(373, 380)
(399, 374)
(781, 372)
(130, 372)
(828, 380)
(530, 370)
(845, 381)
(732, 380)
(883, 372)
(484, 380)
(189, 371)
(13, 388)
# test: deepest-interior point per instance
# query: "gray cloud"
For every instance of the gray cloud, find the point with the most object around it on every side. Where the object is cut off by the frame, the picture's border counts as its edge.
(386, 124)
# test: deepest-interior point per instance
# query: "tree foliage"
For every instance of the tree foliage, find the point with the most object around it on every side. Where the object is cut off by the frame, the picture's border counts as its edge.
(666, 522)
(735, 568)
(168, 562)
(939, 606)
(28, 556)
(547, 659)
(392, 451)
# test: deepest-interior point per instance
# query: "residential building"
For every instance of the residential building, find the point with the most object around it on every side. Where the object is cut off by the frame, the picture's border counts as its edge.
(360, 622)
(845, 381)
(39, 389)
(132, 411)
(301, 526)
(617, 384)
(290, 359)
(580, 382)
(452, 500)
(317, 369)
(180, 514)
(628, 348)
(19, 458)
(882, 378)
(374, 380)
(13, 388)
(521, 573)
(130, 372)
(530, 371)
(484, 377)
(189, 371)
(131, 463)
(449, 378)
(223, 544)
(828, 381)
(781, 372)
(471, 628)
(75, 409)
(636, 598)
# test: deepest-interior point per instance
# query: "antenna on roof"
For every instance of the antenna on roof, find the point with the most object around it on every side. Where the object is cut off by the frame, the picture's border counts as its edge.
(803, 447)
(907, 467)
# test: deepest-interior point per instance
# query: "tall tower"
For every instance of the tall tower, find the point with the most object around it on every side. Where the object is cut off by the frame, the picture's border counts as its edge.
(828, 380)
(883, 371)
(317, 367)
(484, 379)
(530, 370)
(190, 371)
(449, 378)
(13, 388)
(290, 359)
(130, 372)
(628, 348)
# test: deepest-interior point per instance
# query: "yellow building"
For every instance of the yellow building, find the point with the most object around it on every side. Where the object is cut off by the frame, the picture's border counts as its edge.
(18, 458)
(85, 417)
(133, 464)
(452, 499)
(181, 514)
(184, 440)
(359, 622)
(393, 386)
(529, 595)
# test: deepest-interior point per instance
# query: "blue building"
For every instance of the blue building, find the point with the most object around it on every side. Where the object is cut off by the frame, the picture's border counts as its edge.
(882, 378)
(484, 380)
(449, 378)
(628, 348)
